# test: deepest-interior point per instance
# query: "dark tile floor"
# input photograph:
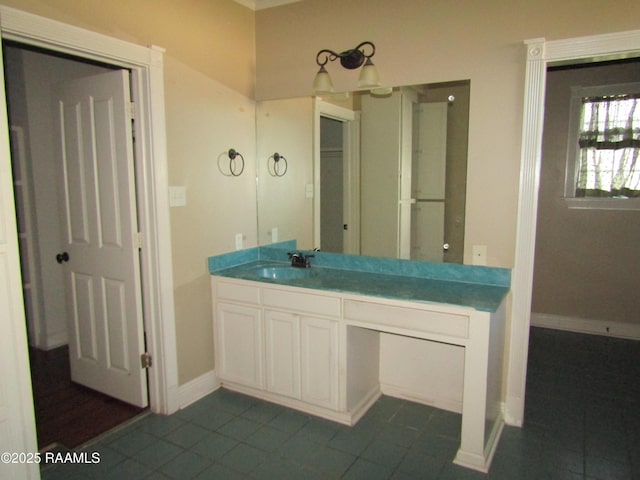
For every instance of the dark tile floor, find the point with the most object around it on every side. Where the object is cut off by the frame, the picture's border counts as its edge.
(582, 422)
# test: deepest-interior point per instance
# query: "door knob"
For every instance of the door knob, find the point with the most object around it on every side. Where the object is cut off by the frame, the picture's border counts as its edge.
(62, 257)
(445, 247)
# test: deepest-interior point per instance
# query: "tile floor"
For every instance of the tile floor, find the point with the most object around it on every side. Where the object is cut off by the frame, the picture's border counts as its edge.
(582, 422)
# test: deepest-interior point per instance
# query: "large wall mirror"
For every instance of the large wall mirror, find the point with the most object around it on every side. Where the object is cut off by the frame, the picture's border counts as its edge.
(364, 174)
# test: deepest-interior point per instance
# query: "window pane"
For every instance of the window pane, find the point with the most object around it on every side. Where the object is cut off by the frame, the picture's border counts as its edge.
(609, 142)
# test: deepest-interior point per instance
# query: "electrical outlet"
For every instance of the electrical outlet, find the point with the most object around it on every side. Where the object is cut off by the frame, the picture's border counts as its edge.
(274, 234)
(479, 255)
(239, 241)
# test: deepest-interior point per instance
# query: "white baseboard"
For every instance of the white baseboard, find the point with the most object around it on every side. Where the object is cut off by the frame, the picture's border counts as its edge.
(585, 325)
(197, 388)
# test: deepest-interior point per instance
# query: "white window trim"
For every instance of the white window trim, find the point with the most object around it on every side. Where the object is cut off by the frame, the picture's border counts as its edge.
(591, 203)
(597, 203)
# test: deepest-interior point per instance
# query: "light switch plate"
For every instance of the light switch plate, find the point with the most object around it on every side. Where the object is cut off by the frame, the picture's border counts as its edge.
(177, 196)
(308, 190)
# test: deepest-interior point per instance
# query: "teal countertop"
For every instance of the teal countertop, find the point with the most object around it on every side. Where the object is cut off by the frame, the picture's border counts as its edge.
(481, 288)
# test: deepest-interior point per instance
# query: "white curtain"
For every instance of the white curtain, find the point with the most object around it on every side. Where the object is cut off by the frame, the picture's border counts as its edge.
(609, 144)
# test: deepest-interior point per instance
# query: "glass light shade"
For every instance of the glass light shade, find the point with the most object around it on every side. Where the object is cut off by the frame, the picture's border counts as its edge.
(322, 83)
(381, 91)
(369, 75)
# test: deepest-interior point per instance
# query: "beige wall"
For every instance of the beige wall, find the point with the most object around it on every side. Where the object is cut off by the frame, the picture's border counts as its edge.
(428, 41)
(204, 120)
(213, 37)
(211, 71)
(209, 84)
(286, 127)
(584, 263)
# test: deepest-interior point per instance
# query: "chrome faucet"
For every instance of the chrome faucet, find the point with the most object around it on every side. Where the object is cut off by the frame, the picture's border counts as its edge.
(300, 260)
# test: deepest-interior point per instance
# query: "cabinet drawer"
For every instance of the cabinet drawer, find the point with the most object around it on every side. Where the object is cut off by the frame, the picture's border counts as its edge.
(239, 293)
(408, 318)
(302, 302)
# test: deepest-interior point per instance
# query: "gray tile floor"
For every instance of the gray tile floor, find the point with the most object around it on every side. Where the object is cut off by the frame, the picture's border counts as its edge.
(582, 422)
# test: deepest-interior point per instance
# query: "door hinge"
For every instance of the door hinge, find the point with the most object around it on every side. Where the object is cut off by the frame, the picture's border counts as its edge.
(138, 240)
(145, 360)
(132, 110)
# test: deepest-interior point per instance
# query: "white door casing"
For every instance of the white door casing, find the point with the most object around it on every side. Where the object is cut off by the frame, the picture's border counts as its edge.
(100, 230)
(540, 53)
(17, 425)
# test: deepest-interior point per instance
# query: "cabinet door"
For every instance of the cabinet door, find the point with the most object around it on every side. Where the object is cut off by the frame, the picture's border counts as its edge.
(239, 344)
(282, 348)
(319, 361)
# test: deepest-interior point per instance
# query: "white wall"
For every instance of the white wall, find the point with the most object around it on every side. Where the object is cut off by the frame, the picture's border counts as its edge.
(423, 371)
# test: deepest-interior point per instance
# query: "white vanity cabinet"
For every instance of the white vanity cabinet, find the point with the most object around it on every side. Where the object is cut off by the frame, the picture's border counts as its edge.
(278, 344)
(239, 345)
(282, 350)
(301, 357)
(321, 352)
(319, 361)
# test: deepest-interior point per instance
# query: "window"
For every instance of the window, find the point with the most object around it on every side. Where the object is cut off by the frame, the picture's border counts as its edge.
(603, 166)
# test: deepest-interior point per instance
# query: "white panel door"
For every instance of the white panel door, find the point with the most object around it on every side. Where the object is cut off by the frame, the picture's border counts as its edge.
(429, 182)
(380, 143)
(282, 348)
(427, 231)
(430, 164)
(102, 273)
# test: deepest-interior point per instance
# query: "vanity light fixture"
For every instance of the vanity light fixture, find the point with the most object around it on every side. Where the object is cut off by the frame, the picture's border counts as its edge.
(350, 59)
(277, 165)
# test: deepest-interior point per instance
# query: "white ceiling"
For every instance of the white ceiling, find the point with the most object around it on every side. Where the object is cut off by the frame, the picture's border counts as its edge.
(262, 4)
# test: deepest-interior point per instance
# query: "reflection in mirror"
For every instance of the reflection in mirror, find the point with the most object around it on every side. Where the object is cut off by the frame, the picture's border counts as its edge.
(388, 176)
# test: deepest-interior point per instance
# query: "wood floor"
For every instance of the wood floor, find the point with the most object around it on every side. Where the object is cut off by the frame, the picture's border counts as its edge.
(68, 414)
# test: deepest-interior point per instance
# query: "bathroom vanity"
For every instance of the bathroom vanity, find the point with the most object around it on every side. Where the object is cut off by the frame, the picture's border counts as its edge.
(309, 338)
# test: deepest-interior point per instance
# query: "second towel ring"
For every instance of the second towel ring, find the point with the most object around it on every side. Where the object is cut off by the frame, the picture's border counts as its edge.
(275, 167)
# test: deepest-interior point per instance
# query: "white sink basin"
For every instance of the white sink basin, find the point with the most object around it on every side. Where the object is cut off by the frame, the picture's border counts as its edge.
(284, 273)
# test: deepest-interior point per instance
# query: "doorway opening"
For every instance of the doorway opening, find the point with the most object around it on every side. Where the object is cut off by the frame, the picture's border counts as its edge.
(336, 206)
(67, 414)
(581, 284)
(332, 222)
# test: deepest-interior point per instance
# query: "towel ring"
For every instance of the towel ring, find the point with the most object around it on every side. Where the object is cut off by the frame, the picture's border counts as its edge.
(234, 170)
(275, 168)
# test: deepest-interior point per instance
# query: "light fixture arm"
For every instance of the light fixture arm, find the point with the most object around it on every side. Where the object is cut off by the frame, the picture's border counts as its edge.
(349, 59)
